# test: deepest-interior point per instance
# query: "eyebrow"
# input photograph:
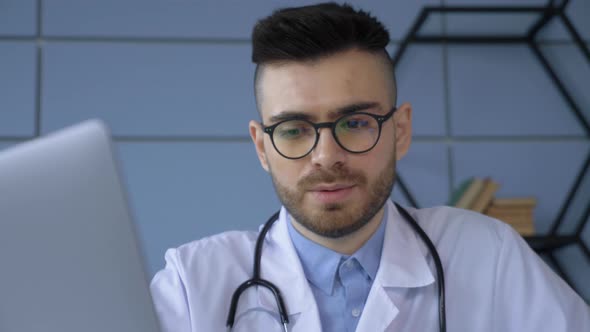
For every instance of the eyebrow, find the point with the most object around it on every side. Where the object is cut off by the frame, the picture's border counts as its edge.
(299, 115)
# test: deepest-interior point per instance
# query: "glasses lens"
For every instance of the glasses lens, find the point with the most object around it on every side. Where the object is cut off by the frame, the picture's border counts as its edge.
(357, 132)
(294, 138)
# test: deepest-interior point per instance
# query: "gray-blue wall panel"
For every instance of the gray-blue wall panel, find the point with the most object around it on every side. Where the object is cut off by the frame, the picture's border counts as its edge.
(398, 196)
(17, 88)
(544, 170)
(425, 170)
(503, 90)
(573, 70)
(185, 191)
(137, 18)
(496, 2)
(586, 234)
(420, 82)
(574, 215)
(200, 19)
(18, 17)
(150, 89)
(577, 10)
(490, 24)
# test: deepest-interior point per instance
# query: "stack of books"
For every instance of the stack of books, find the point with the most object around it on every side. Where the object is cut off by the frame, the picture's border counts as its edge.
(478, 195)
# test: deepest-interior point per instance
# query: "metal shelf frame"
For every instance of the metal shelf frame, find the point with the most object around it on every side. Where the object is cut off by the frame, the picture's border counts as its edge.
(545, 244)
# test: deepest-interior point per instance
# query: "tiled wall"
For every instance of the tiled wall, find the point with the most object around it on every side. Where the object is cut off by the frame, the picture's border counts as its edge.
(173, 79)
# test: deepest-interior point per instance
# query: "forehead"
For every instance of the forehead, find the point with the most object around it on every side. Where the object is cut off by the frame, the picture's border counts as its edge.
(319, 86)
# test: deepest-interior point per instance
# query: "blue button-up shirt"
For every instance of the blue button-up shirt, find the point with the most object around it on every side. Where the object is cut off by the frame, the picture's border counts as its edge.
(340, 283)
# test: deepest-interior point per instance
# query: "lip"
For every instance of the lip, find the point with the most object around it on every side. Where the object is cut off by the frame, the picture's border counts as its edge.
(331, 187)
(332, 193)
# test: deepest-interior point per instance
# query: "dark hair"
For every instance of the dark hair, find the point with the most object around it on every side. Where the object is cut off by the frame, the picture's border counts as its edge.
(311, 32)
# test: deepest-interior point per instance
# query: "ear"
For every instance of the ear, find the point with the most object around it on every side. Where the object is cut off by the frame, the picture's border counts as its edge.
(257, 136)
(403, 129)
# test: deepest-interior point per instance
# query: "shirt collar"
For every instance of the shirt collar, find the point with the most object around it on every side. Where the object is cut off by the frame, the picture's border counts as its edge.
(320, 263)
(369, 254)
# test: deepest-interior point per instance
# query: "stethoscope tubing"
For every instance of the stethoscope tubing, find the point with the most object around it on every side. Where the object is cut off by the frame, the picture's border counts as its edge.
(256, 280)
(442, 319)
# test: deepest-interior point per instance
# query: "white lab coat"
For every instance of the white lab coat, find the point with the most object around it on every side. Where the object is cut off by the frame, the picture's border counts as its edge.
(494, 282)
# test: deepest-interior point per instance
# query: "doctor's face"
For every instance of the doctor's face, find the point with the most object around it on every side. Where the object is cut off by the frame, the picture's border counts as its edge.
(330, 191)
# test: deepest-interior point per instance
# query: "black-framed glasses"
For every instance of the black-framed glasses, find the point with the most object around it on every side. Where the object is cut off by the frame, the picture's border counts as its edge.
(356, 132)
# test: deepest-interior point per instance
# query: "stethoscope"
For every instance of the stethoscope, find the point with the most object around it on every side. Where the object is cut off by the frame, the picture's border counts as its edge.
(256, 280)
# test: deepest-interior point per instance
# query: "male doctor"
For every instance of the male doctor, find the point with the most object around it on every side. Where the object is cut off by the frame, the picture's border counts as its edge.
(342, 255)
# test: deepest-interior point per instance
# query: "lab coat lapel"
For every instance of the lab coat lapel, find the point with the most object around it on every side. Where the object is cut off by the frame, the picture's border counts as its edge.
(402, 265)
(280, 265)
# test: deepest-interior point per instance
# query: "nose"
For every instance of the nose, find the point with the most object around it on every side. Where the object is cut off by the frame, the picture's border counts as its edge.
(327, 153)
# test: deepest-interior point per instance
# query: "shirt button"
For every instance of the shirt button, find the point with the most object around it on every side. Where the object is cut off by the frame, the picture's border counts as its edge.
(356, 312)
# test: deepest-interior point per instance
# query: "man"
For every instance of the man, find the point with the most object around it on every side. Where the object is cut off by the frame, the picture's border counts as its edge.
(342, 255)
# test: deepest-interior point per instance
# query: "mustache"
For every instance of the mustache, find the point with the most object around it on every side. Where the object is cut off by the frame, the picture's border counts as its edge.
(327, 177)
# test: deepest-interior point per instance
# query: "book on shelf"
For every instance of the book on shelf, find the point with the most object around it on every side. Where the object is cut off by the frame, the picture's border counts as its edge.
(470, 193)
(485, 197)
(515, 202)
(511, 217)
(457, 194)
(478, 194)
(517, 212)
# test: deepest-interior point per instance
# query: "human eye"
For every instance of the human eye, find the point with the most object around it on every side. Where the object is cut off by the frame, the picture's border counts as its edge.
(293, 130)
(358, 122)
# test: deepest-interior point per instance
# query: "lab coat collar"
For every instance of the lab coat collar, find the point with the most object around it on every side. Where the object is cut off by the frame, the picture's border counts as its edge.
(284, 267)
(403, 265)
(281, 266)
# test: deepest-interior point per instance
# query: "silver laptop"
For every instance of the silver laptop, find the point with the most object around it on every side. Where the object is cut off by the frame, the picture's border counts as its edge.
(69, 255)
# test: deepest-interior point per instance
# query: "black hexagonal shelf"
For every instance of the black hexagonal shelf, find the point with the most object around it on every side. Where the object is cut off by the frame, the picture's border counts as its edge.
(543, 244)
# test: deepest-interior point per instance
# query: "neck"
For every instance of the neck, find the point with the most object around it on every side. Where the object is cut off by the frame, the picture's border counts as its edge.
(346, 245)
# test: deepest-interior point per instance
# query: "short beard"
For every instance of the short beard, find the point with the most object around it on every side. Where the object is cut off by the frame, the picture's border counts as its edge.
(333, 221)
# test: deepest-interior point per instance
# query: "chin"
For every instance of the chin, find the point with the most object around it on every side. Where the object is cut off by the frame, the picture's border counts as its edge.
(336, 214)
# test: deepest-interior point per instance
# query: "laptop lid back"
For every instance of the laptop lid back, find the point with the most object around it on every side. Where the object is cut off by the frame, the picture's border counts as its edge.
(69, 256)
